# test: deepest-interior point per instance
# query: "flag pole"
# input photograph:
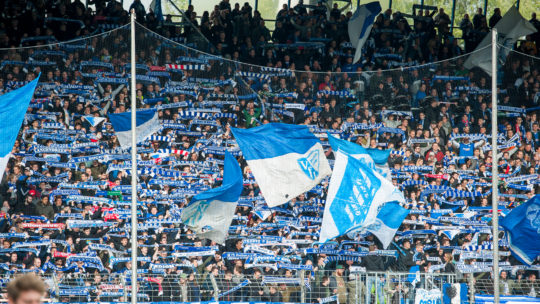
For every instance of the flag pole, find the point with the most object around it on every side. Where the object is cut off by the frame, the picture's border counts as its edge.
(133, 166)
(494, 167)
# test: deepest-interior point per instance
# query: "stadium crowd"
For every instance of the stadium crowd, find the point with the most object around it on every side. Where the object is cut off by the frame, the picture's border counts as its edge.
(305, 37)
(66, 191)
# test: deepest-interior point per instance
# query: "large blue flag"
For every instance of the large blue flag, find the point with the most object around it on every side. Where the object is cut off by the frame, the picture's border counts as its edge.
(522, 227)
(286, 160)
(13, 106)
(147, 124)
(374, 158)
(355, 196)
(211, 212)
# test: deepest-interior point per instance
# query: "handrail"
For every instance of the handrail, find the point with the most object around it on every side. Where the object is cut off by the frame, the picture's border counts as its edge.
(272, 28)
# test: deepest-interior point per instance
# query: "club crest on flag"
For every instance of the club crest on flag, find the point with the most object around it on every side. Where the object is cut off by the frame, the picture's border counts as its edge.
(206, 228)
(376, 226)
(533, 215)
(195, 212)
(354, 197)
(310, 164)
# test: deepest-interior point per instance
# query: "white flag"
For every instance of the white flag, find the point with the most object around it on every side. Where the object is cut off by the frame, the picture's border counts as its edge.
(510, 28)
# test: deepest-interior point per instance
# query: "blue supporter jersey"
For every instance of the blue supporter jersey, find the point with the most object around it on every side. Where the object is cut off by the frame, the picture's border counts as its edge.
(466, 149)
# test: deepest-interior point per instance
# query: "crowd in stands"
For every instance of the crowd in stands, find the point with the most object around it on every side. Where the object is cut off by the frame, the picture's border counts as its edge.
(66, 191)
(305, 37)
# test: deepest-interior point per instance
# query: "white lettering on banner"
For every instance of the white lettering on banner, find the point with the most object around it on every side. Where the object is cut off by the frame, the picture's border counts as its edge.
(423, 296)
(193, 254)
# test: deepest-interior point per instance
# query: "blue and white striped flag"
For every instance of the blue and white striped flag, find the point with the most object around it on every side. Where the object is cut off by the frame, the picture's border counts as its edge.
(147, 124)
(286, 160)
(355, 195)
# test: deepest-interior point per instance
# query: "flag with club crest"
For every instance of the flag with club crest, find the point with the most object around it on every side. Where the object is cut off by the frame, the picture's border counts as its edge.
(286, 160)
(356, 195)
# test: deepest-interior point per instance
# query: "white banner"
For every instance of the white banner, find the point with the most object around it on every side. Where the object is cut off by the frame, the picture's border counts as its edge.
(423, 296)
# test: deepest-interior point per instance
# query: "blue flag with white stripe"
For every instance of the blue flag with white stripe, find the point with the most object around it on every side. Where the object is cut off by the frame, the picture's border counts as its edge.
(522, 227)
(360, 25)
(286, 160)
(13, 106)
(374, 158)
(211, 212)
(355, 196)
(147, 124)
(93, 120)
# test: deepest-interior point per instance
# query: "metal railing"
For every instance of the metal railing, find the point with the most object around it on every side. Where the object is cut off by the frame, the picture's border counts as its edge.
(521, 286)
(392, 287)
(302, 287)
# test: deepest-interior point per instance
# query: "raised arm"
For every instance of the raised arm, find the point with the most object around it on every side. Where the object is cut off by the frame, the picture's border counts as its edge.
(117, 90)
(479, 143)
(454, 143)
(345, 7)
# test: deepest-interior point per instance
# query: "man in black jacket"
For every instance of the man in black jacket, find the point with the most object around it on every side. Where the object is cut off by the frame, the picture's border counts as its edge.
(226, 284)
(256, 290)
(26, 207)
(22, 187)
(405, 260)
(495, 18)
(373, 262)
